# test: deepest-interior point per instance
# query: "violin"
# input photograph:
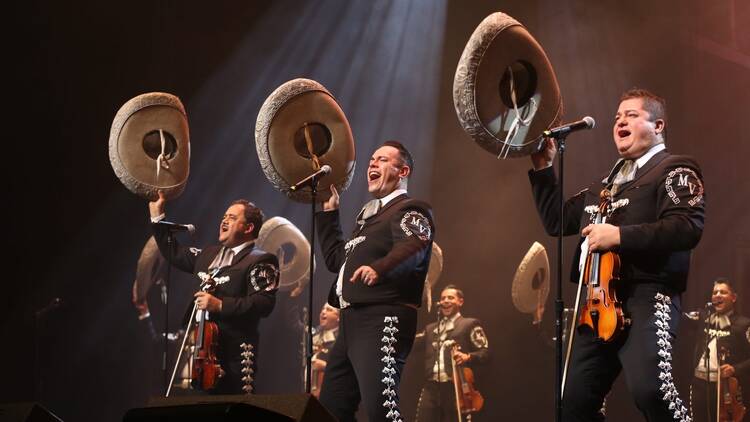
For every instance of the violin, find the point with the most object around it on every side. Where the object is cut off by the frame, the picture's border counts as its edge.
(468, 399)
(317, 374)
(602, 310)
(206, 370)
(729, 393)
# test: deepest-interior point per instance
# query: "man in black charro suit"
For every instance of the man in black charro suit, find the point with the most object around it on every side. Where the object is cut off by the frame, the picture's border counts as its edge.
(323, 341)
(437, 401)
(381, 272)
(657, 220)
(246, 283)
(728, 337)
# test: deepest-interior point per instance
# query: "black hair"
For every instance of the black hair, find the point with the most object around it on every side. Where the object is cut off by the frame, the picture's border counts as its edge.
(252, 214)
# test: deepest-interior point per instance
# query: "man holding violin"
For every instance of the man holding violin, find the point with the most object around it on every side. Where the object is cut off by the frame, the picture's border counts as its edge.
(658, 220)
(454, 338)
(723, 348)
(323, 341)
(245, 278)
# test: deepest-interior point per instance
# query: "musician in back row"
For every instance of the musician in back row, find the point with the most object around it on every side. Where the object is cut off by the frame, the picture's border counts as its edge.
(323, 340)
(726, 334)
(246, 282)
(657, 219)
(454, 338)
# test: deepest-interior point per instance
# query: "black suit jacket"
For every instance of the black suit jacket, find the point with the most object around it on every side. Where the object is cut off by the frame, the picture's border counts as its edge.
(469, 335)
(736, 341)
(660, 225)
(242, 304)
(396, 242)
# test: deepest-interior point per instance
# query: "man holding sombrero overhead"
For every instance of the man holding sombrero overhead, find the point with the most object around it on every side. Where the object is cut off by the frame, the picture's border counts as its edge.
(246, 280)
(658, 222)
(381, 273)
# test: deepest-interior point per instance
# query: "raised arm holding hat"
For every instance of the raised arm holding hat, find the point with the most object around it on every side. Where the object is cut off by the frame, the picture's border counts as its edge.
(653, 233)
(381, 272)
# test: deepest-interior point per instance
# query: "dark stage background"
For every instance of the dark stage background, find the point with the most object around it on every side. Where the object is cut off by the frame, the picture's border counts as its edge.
(76, 233)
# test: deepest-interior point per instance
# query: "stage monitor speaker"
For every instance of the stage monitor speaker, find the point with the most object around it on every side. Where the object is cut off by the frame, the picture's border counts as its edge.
(26, 412)
(266, 408)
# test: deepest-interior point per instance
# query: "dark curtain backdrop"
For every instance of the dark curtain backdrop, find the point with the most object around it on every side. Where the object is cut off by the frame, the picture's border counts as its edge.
(76, 232)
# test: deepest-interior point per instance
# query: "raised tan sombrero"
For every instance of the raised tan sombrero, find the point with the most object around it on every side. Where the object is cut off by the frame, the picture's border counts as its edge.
(531, 283)
(149, 145)
(151, 269)
(283, 239)
(433, 273)
(505, 91)
(301, 127)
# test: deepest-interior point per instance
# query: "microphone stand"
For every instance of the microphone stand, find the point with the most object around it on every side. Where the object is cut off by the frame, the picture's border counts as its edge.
(308, 366)
(559, 305)
(439, 352)
(707, 364)
(165, 299)
(303, 348)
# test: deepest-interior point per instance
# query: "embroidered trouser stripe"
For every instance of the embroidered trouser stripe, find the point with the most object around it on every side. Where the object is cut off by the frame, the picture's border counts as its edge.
(662, 312)
(389, 367)
(366, 362)
(643, 353)
(246, 352)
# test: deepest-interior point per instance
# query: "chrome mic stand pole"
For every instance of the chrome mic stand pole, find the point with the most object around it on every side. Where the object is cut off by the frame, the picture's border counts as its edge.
(308, 366)
(559, 304)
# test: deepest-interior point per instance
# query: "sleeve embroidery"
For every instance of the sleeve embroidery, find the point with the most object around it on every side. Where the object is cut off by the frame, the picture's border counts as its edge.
(478, 338)
(683, 182)
(414, 223)
(264, 276)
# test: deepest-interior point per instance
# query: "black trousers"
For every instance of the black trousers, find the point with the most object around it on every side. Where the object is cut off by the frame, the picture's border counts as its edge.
(643, 352)
(367, 360)
(437, 402)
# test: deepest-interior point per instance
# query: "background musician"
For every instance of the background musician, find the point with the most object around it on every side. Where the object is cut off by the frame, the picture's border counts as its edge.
(323, 341)
(728, 333)
(654, 232)
(238, 266)
(437, 401)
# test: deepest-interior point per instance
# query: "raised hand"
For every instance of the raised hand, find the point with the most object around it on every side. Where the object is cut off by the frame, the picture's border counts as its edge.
(333, 202)
(544, 158)
(156, 208)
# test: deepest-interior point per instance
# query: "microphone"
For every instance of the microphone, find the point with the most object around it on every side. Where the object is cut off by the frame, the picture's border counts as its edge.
(695, 315)
(313, 178)
(563, 131)
(52, 306)
(175, 227)
(146, 320)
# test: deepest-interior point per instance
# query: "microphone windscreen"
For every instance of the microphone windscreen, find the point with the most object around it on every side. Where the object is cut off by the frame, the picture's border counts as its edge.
(590, 122)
